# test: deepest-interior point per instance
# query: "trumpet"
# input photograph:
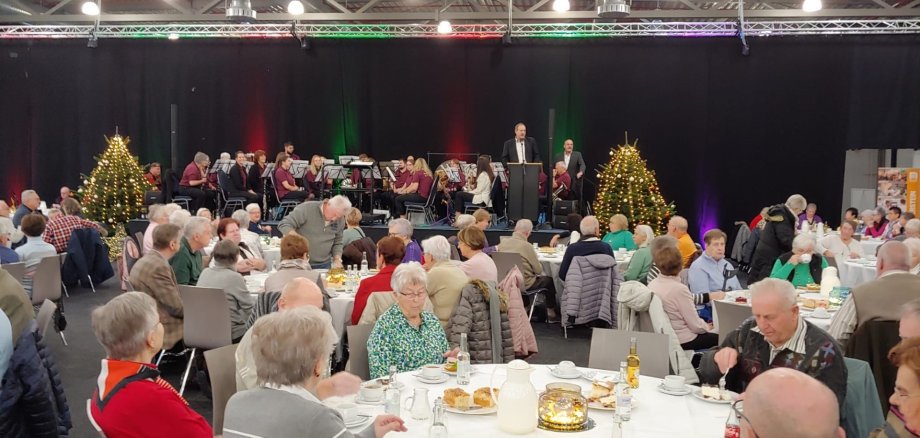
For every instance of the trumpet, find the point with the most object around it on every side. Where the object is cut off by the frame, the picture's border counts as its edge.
(558, 190)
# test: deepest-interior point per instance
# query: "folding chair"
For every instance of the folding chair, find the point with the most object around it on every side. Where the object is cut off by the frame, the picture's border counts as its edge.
(206, 324)
(504, 262)
(357, 350)
(46, 283)
(222, 367)
(183, 201)
(728, 316)
(284, 206)
(45, 313)
(610, 347)
(236, 202)
(426, 209)
(16, 270)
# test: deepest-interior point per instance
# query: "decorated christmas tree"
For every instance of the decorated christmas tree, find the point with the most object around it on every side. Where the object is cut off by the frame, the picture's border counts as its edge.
(113, 193)
(627, 186)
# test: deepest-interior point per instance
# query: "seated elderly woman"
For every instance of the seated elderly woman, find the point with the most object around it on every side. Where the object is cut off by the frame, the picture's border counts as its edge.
(390, 252)
(353, 229)
(478, 265)
(619, 235)
(913, 244)
(229, 229)
(255, 220)
(402, 229)
(878, 224)
(641, 260)
(405, 335)
(692, 332)
(842, 246)
(291, 351)
(251, 240)
(129, 329)
(445, 279)
(223, 276)
(158, 215)
(35, 249)
(295, 263)
(801, 266)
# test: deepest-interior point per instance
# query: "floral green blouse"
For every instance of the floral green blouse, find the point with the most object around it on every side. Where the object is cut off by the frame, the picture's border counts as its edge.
(395, 342)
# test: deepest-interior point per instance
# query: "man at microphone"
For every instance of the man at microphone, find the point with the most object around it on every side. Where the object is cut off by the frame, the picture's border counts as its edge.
(521, 148)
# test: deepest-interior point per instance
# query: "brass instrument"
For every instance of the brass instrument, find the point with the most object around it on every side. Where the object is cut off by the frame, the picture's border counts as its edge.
(558, 191)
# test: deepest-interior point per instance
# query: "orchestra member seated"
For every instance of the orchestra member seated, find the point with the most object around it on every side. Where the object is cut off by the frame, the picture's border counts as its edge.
(239, 180)
(255, 173)
(418, 187)
(562, 181)
(285, 184)
(482, 190)
(153, 176)
(195, 184)
(313, 181)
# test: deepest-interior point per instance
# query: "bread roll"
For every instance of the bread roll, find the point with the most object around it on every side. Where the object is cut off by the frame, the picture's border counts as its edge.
(457, 398)
(482, 397)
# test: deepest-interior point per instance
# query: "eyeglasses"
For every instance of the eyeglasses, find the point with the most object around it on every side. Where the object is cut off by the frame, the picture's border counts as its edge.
(737, 410)
(417, 296)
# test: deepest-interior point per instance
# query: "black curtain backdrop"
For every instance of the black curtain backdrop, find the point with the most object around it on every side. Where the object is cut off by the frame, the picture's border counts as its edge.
(726, 134)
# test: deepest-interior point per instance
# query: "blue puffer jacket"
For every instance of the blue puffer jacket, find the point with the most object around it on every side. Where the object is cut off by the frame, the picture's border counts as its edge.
(32, 403)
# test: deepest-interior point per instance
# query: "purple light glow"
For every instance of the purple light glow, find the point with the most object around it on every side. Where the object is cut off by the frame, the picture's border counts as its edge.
(706, 212)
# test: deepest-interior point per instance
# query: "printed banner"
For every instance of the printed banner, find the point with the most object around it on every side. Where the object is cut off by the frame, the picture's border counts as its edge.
(899, 187)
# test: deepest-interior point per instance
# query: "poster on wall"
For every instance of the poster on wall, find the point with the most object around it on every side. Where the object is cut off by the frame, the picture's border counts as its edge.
(898, 187)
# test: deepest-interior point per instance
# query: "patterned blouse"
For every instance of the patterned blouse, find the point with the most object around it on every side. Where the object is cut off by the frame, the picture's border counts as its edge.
(396, 342)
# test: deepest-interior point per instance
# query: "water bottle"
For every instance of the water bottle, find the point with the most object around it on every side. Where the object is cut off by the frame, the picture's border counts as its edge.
(391, 400)
(438, 427)
(463, 362)
(364, 269)
(624, 395)
(536, 247)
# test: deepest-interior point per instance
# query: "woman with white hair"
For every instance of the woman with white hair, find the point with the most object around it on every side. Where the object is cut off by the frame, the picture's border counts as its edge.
(405, 335)
(158, 214)
(913, 244)
(402, 230)
(131, 399)
(445, 279)
(251, 239)
(802, 265)
(641, 260)
(255, 220)
(291, 351)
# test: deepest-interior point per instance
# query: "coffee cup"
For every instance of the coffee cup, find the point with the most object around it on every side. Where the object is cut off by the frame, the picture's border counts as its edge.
(675, 383)
(349, 412)
(431, 371)
(372, 391)
(805, 258)
(566, 367)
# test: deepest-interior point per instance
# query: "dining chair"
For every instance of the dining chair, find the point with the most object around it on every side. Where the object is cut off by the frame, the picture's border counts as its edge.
(357, 350)
(222, 368)
(17, 270)
(206, 324)
(610, 347)
(728, 316)
(46, 283)
(45, 313)
(504, 261)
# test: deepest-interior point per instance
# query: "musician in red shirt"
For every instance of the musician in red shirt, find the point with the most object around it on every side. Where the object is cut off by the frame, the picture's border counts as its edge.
(153, 176)
(562, 181)
(194, 183)
(285, 184)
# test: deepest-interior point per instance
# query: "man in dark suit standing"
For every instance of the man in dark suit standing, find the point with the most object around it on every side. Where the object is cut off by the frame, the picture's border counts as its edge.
(521, 148)
(575, 165)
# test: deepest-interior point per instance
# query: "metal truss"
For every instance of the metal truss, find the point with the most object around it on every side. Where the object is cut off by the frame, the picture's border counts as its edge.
(526, 30)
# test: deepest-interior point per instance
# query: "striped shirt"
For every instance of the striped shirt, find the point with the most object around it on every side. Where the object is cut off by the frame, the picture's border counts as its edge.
(796, 343)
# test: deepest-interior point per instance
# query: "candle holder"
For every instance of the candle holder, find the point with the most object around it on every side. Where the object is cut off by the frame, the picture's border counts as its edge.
(563, 408)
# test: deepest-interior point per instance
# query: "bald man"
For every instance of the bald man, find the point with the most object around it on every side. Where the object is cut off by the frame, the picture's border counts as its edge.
(783, 403)
(882, 298)
(677, 228)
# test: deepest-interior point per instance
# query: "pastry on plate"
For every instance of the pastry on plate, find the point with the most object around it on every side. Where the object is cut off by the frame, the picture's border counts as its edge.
(457, 398)
(482, 397)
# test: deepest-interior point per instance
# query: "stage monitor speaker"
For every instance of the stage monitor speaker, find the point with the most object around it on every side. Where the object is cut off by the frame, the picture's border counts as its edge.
(564, 208)
(561, 222)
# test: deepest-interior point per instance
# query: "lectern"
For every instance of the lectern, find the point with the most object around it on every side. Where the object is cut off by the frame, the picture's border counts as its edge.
(523, 194)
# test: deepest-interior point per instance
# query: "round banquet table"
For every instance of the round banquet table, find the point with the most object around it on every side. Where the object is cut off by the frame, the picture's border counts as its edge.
(684, 416)
(853, 273)
(870, 245)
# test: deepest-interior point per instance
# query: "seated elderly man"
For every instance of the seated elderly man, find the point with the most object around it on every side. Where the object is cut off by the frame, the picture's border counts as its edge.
(152, 275)
(841, 246)
(914, 245)
(707, 273)
(29, 204)
(255, 220)
(291, 350)
(58, 231)
(677, 228)
(129, 385)
(590, 243)
(187, 262)
(295, 263)
(801, 266)
(882, 298)
(911, 229)
(531, 269)
(405, 335)
(223, 276)
(402, 229)
(445, 279)
(776, 337)
(7, 255)
(784, 403)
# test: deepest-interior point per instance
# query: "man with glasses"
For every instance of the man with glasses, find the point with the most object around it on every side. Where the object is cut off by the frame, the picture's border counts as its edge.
(783, 403)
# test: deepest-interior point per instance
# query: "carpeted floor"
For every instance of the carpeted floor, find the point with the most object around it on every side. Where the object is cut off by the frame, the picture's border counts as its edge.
(79, 362)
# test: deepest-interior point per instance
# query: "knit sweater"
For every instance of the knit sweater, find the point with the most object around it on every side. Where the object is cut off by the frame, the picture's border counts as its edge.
(620, 239)
(325, 239)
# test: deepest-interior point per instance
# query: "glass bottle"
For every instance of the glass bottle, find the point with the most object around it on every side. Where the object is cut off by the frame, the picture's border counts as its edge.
(463, 362)
(438, 427)
(624, 394)
(392, 381)
(391, 400)
(732, 425)
(364, 269)
(632, 364)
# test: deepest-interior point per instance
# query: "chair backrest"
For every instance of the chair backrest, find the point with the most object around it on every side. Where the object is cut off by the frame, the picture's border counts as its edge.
(139, 238)
(17, 270)
(728, 316)
(223, 181)
(684, 276)
(357, 350)
(44, 316)
(454, 253)
(206, 324)
(504, 261)
(610, 347)
(871, 343)
(265, 302)
(131, 252)
(46, 282)
(92, 421)
(432, 193)
(862, 409)
(222, 369)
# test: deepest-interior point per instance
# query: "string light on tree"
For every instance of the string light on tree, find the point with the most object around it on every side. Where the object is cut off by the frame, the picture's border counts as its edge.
(627, 186)
(114, 192)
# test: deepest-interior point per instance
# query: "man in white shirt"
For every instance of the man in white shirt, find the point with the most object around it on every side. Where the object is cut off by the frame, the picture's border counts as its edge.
(521, 148)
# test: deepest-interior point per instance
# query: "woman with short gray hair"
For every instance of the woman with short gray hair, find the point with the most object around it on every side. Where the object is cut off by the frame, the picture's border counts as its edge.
(402, 229)
(223, 276)
(129, 329)
(801, 266)
(291, 351)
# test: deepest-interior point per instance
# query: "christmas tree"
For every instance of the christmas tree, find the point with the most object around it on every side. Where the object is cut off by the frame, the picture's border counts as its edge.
(627, 186)
(113, 193)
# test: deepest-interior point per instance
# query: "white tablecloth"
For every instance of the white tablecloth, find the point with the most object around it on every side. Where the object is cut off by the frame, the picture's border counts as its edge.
(869, 246)
(852, 273)
(654, 415)
(822, 323)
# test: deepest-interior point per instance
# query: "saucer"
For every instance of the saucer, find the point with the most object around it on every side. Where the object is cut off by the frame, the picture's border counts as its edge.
(443, 378)
(670, 391)
(574, 375)
(361, 401)
(827, 315)
(360, 421)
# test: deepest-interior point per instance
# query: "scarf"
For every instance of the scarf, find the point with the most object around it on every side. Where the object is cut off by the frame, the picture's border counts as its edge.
(116, 374)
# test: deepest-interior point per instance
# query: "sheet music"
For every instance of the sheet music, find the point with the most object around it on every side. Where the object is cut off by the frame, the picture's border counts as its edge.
(453, 175)
(224, 165)
(269, 168)
(345, 159)
(499, 169)
(334, 172)
(299, 168)
(390, 172)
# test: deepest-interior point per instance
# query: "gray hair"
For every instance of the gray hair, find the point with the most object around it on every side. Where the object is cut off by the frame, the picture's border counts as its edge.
(203, 210)
(180, 218)
(802, 241)
(28, 194)
(408, 274)
(589, 225)
(880, 211)
(225, 156)
(776, 286)
(122, 324)
(340, 203)
(523, 226)
(867, 212)
(913, 226)
(286, 346)
(196, 225)
(154, 212)
(225, 253)
(796, 203)
(437, 247)
(893, 255)
(166, 210)
(241, 216)
(463, 221)
(253, 207)
(201, 158)
(647, 230)
(6, 226)
(403, 227)
(811, 205)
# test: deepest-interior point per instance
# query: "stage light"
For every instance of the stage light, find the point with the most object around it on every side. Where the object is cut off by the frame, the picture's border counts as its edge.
(93, 41)
(812, 5)
(173, 36)
(90, 8)
(613, 8)
(444, 27)
(295, 7)
(561, 5)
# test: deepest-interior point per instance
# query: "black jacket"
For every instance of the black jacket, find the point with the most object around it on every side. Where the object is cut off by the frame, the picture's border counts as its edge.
(775, 239)
(87, 256)
(236, 179)
(255, 178)
(576, 164)
(531, 153)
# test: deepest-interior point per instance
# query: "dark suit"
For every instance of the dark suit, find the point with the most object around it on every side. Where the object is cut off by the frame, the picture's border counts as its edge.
(510, 153)
(239, 184)
(576, 164)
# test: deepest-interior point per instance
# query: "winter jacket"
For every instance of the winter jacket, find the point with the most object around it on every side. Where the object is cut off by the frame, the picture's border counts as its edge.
(482, 314)
(640, 310)
(740, 239)
(525, 343)
(590, 290)
(87, 256)
(775, 239)
(32, 403)
(351, 254)
(747, 252)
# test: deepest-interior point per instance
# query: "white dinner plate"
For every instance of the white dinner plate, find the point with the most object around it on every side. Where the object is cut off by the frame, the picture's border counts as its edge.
(825, 316)
(670, 391)
(479, 411)
(574, 375)
(361, 401)
(443, 378)
(698, 394)
(360, 421)
(601, 407)
(454, 373)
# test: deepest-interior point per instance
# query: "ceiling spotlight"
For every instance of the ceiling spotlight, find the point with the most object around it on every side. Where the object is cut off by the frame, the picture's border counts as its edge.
(90, 8)
(444, 27)
(240, 11)
(812, 5)
(173, 36)
(295, 7)
(613, 8)
(561, 5)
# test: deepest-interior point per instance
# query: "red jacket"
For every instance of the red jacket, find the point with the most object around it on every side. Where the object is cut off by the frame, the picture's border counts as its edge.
(377, 283)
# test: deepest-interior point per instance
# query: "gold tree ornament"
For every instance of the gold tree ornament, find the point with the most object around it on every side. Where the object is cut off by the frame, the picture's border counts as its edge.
(114, 192)
(629, 187)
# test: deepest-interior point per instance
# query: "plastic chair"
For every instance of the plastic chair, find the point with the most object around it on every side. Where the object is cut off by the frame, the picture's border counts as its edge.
(357, 350)
(92, 421)
(610, 347)
(222, 367)
(727, 317)
(504, 261)
(44, 316)
(862, 409)
(17, 270)
(183, 201)
(426, 209)
(46, 283)
(206, 324)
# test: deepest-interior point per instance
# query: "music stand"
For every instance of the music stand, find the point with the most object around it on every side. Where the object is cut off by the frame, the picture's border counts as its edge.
(522, 185)
(224, 165)
(453, 175)
(335, 172)
(328, 162)
(345, 159)
(499, 169)
(299, 168)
